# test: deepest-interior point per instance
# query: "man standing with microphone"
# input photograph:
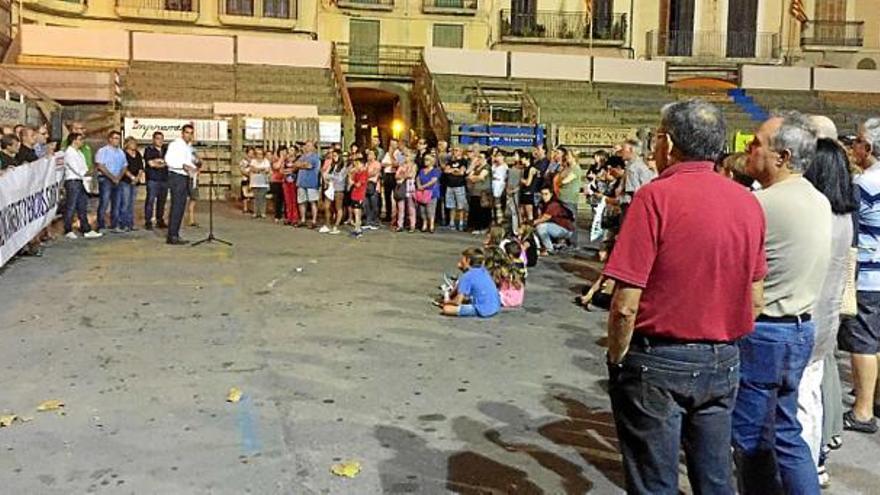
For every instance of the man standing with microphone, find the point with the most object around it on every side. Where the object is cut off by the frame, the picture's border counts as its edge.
(181, 162)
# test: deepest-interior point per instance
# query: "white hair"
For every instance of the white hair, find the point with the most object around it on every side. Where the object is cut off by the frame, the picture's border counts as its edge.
(871, 129)
(825, 128)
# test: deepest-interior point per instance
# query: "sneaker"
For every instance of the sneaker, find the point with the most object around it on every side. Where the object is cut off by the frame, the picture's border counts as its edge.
(850, 422)
(824, 478)
(116, 230)
(71, 235)
(92, 234)
(357, 234)
(334, 231)
(324, 230)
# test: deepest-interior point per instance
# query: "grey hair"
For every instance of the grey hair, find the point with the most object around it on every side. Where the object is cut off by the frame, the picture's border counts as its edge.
(697, 128)
(798, 136)
(635, 144)
(872, 135)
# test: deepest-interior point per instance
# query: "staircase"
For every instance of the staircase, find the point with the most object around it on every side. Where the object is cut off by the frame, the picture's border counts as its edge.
(178, 90)
(748, 105)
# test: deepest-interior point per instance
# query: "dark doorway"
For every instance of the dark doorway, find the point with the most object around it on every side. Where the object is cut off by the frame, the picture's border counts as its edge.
(373, 109)
(681, 28)
(742, 28)
(523, 17)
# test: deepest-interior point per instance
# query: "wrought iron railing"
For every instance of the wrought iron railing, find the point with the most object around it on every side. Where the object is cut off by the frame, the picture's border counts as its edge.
(426, 93)
(713, 44)
(156, 5)
(275, 9)
(381, 61)
(833, 33)
(433, 6)
(367, 4)
(549, 25)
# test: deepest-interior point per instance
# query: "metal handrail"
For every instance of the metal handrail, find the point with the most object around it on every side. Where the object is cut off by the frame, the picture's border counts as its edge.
(166, 5)
(341, 86)
(713, 44)
(426, 90)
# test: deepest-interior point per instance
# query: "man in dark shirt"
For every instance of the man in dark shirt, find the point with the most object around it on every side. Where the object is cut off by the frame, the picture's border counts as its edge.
(555, 223)
(9, 151)
(157, 181)
(541, 162)
(26, 153)
(456, 189)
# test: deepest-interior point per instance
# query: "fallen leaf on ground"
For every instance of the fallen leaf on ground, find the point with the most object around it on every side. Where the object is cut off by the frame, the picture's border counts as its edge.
(234, 395)
(348, 469)
(7, 420)
(50, 405)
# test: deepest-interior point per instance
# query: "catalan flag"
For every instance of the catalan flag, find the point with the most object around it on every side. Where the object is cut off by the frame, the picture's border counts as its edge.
(797, 10)
(589, 8)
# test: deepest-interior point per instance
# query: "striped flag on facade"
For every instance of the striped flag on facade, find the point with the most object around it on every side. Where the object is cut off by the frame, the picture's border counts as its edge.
(797, 10)
(589, 9)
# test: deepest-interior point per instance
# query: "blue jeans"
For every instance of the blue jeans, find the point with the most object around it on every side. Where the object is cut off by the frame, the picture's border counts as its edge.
(157, 193)
(127, 193)
(549, 231)
(771, 455)
(108, 195)
(671, 395)
(77, 203)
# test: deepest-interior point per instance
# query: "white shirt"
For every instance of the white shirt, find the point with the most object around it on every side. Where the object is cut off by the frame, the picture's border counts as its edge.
(75, 167)
(179, 154)
(259, 169)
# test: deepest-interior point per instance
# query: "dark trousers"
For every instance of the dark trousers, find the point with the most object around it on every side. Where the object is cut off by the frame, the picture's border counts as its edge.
(179, 187)
(77, 202)
(109, 194)
(277, 190)
(388, 185)
(667, 396)
(157, 194)
(479, 217)
(372, 205)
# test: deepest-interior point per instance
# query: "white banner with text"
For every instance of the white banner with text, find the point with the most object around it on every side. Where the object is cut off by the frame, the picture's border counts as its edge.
(29, 197)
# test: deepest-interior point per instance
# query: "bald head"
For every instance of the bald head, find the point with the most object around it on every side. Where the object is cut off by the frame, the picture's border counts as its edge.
(825, 128)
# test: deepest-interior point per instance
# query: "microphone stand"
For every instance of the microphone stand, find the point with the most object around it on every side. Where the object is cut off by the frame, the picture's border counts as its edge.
(211, 238)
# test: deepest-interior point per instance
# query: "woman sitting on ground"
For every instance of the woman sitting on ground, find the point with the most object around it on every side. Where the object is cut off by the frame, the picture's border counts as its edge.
(475, 293)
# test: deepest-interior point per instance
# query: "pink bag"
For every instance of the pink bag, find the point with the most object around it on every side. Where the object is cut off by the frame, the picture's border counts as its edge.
(423, 196)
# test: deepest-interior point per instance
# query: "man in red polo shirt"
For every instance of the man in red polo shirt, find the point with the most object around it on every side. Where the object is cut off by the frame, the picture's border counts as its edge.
(689, 265)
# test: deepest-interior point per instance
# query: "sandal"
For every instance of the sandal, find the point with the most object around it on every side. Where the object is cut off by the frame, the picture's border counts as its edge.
(850, 422)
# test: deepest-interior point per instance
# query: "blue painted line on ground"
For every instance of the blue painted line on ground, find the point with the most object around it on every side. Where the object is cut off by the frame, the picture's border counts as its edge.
(247, 426)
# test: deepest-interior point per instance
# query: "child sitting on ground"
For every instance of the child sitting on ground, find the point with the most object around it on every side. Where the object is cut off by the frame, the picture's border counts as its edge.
(508, 273)
(528, 241)
(475, 293)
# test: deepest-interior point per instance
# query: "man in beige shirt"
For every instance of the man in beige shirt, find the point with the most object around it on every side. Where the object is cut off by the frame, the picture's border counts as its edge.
(766, 432)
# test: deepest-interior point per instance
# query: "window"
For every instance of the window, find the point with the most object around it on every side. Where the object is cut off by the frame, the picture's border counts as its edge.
(240, 7)
(448, 35)
(830, 10)
(276, 8)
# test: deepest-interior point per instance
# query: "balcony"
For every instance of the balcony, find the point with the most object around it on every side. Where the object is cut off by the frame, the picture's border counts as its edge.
(386, 5)
(450, 7)
(833, 35)
(713, 45)
(63, 7)
(379, 62)
(266, 14)
(548, 27)
(162, 10)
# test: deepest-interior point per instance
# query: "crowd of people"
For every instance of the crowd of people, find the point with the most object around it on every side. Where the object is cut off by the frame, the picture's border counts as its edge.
(734, 281)
(417, 189)
(730, 279)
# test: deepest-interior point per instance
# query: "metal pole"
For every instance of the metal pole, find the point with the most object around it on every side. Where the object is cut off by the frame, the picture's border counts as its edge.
(590, 23)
